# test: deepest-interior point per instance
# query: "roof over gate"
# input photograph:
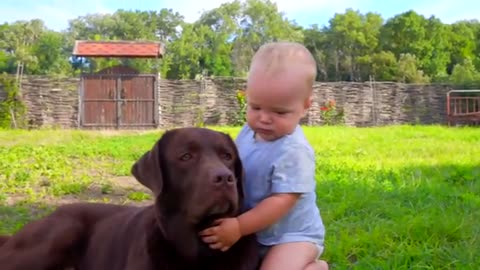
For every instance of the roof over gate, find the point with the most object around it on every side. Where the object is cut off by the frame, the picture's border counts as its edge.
(122, 48)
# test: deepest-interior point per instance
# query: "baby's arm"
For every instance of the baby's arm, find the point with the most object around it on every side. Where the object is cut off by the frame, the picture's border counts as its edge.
(267, 212)
(293, 174)
(225, 232)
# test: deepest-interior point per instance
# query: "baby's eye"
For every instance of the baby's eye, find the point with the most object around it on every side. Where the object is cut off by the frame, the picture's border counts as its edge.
(282, 113)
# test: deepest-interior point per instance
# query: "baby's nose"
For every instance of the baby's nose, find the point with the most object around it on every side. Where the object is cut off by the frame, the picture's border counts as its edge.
(265, 118)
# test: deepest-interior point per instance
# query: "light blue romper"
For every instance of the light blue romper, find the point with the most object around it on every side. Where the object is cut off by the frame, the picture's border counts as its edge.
(284, 165)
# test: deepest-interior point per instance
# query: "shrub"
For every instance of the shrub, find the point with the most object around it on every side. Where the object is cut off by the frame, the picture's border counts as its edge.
(12, 109)
(241, 117)
(330, 115)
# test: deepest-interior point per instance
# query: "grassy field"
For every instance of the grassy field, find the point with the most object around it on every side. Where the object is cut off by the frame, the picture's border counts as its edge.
(396, 197)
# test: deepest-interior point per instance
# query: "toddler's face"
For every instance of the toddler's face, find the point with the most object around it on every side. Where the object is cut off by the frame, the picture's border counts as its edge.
(275, 105)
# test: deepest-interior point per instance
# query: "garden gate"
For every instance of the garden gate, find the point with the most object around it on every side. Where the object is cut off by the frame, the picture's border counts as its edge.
(118, 101)
(118, 97)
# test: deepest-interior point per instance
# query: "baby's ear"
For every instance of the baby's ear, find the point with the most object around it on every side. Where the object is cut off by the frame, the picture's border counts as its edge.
(308, 102)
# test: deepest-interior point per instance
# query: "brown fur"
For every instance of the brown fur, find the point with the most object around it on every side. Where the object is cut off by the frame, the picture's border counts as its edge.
(190, 192)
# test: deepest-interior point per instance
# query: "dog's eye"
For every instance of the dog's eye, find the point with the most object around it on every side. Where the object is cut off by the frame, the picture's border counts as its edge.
(227, 156)
(185, 157)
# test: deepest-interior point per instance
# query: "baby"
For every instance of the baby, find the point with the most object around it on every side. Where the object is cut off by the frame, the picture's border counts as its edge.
(279, 164)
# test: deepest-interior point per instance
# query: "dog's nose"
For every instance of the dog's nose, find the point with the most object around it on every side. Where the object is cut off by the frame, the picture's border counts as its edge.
(223, 178)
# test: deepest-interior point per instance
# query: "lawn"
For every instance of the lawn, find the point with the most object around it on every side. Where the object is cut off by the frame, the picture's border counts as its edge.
(397, 197)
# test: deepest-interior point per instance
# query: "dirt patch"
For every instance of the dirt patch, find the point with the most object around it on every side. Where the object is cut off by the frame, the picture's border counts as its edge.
(108, 133)
(114, 190)
(127, 182)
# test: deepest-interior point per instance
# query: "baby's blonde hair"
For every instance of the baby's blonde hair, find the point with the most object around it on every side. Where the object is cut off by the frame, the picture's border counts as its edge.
(276, 58)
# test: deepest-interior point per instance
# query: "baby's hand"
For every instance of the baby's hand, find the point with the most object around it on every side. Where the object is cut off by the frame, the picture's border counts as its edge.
(223, 234)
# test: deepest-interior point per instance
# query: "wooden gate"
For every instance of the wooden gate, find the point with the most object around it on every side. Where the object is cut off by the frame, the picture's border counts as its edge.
(121, 101)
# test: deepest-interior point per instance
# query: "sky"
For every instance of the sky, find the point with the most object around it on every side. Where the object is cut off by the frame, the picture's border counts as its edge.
(56, 13)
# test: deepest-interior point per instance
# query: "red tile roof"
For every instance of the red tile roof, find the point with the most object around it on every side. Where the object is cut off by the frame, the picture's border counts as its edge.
(144, 49)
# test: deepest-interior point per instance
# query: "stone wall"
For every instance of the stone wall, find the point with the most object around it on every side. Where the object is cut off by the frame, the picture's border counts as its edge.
(54, 102)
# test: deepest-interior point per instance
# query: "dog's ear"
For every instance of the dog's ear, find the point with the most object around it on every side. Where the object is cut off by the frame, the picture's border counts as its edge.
(148, 168)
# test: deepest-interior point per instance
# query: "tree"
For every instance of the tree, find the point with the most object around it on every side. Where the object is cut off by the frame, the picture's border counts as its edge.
(465, 74)
(183, 59)
(381, 66)
(408, 72)
(426, 39)
(354, 36)
(222, 29)
(354, 46)
(224, 39)
(317, 42)
(463, 45)
(437, 52)
(52, 55)
(260, 22)
(18, 39)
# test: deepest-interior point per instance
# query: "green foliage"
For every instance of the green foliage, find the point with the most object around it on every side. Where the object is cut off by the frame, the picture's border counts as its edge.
(5, 62)
(465, 74)
(199, 118)
(48, 165)
(138, 196)
(51, 55)
(357, 35)
(17, 40)
(12, 109)
(353, 46)
(462, 36)
(408, 72)
(185, 52)
(331, 115)
(438, 53)
(384, 66)
(396, 197)
(241, 116)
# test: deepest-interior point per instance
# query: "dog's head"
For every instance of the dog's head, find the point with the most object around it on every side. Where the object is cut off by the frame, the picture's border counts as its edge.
(196, 176)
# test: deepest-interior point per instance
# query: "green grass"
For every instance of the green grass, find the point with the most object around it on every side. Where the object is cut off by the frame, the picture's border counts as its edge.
(398, 197)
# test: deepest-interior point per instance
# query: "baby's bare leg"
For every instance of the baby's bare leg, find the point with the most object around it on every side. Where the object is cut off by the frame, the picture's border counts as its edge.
(293, 256)
(318, 265)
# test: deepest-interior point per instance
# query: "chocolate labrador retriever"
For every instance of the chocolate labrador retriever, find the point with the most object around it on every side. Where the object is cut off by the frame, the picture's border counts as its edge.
(196, 177)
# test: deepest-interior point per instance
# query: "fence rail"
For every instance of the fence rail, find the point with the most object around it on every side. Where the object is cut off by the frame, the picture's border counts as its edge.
(463, 106)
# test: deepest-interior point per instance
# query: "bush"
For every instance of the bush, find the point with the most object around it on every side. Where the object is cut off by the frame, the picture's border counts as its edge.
(12, 109)
(330, 115)
(241, 117)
